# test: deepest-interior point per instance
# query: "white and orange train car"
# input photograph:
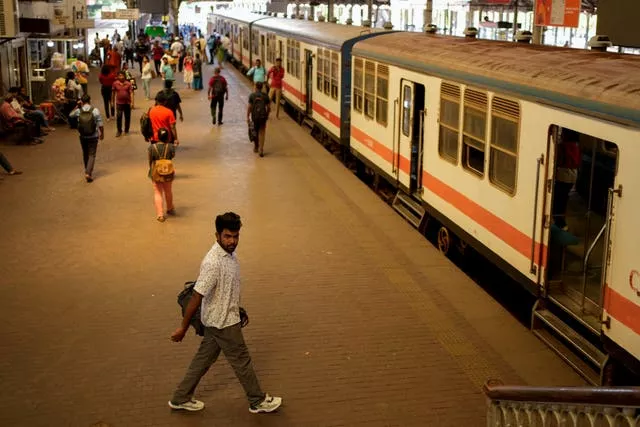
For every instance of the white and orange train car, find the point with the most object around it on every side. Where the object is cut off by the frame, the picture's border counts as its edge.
(470, 133)
(317, 61)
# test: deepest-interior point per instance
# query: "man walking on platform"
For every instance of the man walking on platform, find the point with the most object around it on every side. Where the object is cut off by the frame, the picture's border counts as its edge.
(91, 129)
(258, 73)
(258, 114)
(218, 92)
(217, 294)
(122, 91)
(276, 74)
(162, 117)
(173, 99)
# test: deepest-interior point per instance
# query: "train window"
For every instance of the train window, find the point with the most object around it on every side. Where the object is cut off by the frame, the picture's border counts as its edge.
(297, 59)
(255, 40)
(369, 89)
(245, 39)
(449, 121)
(334, 75)
(320, 71)
(326, 65)
(382, 94)
(290, 59)
(357, 84)
(474, 130)
(503, 156)
(406, 110)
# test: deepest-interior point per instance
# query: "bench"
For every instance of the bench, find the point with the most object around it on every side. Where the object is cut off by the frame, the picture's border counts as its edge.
(17, 133)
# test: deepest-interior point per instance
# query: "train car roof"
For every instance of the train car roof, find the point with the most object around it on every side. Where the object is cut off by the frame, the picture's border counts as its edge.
(240, 15)
(324, 33)
(602, 84)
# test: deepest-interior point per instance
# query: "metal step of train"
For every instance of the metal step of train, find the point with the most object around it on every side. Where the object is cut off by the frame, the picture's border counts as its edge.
(408, 208)
(587, 359)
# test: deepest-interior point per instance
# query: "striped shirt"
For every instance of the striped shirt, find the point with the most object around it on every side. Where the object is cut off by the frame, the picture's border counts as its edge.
(219, 285)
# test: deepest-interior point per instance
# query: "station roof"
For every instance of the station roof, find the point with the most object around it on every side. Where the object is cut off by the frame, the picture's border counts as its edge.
(325, 33)
(603, 84)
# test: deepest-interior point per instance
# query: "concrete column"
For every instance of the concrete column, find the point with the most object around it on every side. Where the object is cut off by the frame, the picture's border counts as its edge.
(428, 14)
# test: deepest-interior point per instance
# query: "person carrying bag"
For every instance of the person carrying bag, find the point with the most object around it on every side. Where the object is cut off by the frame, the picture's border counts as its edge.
(162, 173)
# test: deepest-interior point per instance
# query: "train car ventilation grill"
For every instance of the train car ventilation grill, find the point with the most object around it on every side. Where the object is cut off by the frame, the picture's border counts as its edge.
(506, 107)
(383, 70)
(476, 99)
(450, 90)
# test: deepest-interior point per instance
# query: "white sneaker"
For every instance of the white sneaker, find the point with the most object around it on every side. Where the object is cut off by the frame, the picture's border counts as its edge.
(269, 404)
(192, 405)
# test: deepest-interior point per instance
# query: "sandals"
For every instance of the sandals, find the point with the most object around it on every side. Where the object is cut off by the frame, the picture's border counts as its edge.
(160, 219)
(15, 172)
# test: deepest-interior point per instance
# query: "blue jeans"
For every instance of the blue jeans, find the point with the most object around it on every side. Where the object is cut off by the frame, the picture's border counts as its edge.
(197, 82)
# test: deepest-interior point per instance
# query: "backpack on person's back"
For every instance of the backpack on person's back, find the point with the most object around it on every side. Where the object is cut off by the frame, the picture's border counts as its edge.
(163, 170)
(87, 123)
(219, 87)
(259, 107)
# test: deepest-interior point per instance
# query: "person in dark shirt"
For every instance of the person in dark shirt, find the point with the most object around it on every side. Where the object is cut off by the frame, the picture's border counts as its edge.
(173, 99)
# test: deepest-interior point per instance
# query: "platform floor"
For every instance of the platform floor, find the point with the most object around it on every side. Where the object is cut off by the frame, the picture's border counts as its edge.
(355, 318)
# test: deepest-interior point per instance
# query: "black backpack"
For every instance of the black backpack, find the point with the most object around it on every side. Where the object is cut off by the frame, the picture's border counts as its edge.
(183, 301)
(87, 125)
(146, 128)
(259, 112)
(218, 87)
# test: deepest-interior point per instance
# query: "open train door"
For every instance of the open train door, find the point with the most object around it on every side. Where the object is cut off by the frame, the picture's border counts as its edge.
(410, 136)
(308, 81)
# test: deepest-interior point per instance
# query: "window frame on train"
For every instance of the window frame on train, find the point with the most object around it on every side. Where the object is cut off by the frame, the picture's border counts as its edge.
(293, 58)
(496, 148)
(369, 109)
(271, 48)
(382, 94)
(448, 91)
(335, 75)
(358, 85)
(474, 138)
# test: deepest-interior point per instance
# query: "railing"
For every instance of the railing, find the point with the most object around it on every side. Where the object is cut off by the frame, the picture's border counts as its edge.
(520, 406)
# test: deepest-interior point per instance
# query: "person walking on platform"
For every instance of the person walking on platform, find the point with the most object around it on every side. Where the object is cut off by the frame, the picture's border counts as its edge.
(122, 96)
(91, 130)
(162, 150)
(173, 99)
(166, 70)
(197, 73)
(218, 92)
(6, 165)
(162, 117)
(276, 74)
(147, 75)
(217, 294)
(259, 74)
(258, 114)
(107, 78)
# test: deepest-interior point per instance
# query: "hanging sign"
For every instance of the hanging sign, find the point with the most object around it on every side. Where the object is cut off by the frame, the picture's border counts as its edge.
(128, 14)
(85, 23)
(557, 13)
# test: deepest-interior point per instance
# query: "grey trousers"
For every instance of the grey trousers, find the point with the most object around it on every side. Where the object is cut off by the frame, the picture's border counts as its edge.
(231, 342)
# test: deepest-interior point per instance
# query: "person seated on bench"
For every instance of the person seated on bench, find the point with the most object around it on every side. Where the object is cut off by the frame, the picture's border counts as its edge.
(29, 108)
(37, 117)
(14, 121)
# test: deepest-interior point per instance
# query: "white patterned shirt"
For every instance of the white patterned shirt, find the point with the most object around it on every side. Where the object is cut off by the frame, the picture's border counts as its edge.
(219, 285)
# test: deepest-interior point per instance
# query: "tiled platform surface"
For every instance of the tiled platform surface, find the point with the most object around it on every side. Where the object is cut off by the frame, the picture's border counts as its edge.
(355, 318)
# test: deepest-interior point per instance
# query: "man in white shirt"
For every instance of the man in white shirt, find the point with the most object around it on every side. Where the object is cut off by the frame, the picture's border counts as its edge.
(217, 292)
(176, 48)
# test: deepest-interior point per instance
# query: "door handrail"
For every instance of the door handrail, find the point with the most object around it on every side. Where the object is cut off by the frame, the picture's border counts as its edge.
(593, 245)
(532, 268)
(393, 142)
(420, 151)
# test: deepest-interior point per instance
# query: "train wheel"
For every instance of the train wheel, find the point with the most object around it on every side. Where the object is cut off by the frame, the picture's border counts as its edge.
(444, 240)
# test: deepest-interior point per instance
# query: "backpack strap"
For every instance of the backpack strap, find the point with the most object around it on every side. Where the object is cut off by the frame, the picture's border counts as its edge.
(166, 150)
(155, 147)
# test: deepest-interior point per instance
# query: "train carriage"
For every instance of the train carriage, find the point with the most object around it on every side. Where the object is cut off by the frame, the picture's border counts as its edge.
(238, 24)
(317, 60)
(472, 132)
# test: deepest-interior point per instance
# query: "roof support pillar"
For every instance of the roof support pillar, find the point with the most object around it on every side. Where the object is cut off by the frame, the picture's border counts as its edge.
(329, 10)
(536, 30)
(428, 14)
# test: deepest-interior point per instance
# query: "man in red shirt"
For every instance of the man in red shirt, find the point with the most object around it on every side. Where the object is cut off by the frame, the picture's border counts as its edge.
(276, 73)
(121, 94)
(218, 92)
(163, 117)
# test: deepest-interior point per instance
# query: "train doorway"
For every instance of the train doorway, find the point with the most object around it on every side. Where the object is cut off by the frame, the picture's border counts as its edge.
(308, 76)
(411, 133)
(581, 209)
